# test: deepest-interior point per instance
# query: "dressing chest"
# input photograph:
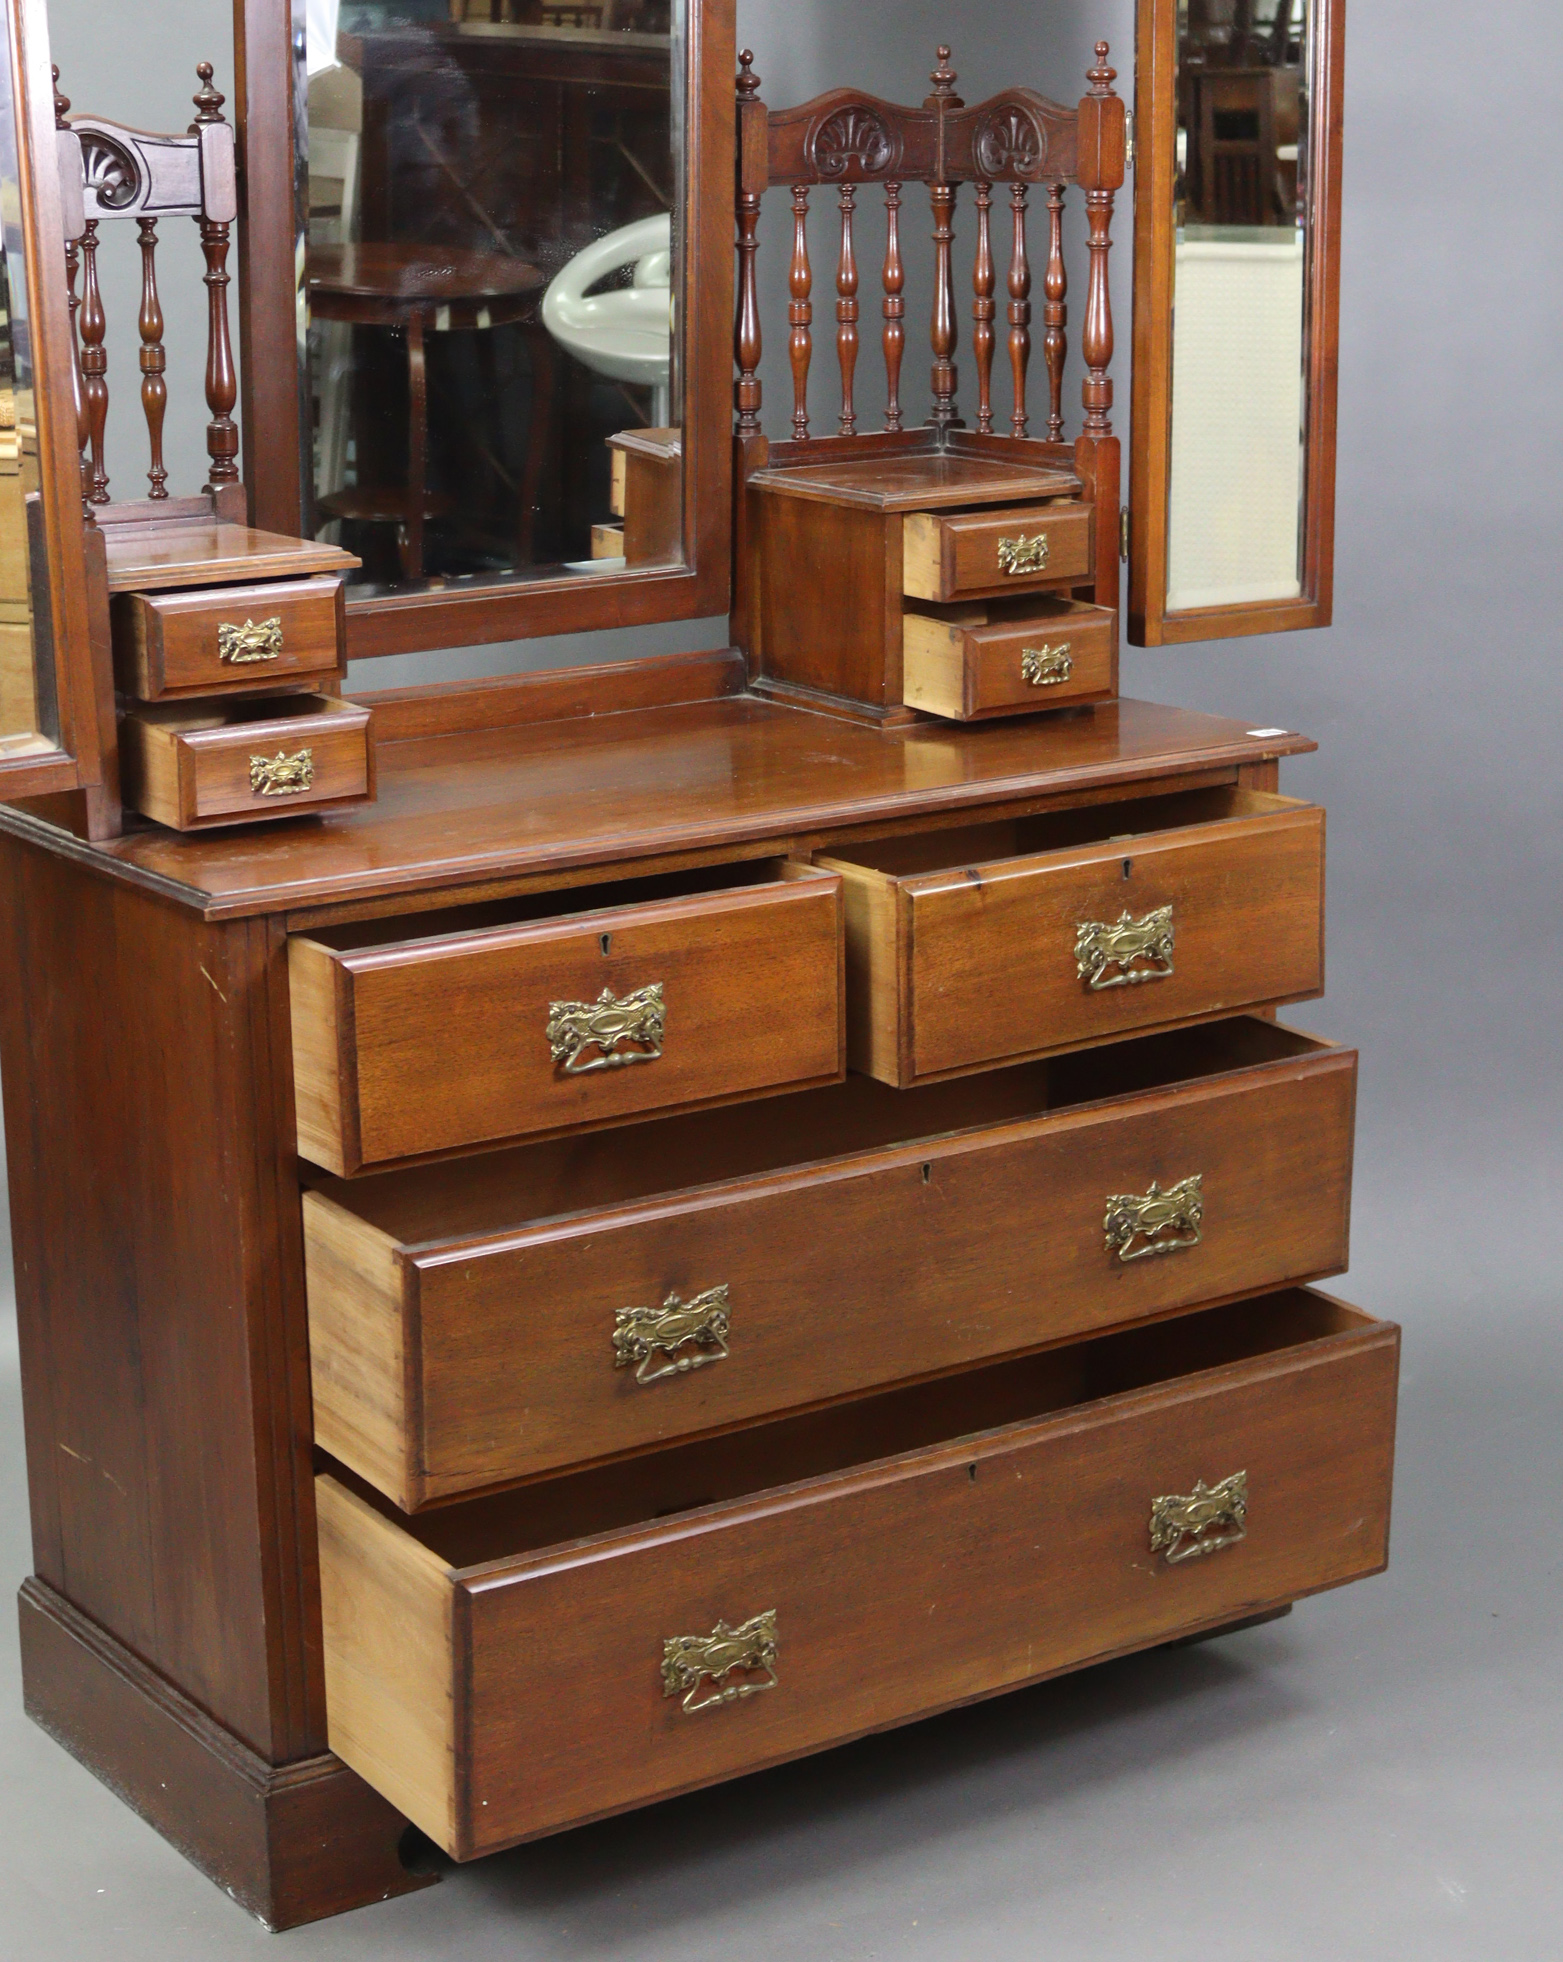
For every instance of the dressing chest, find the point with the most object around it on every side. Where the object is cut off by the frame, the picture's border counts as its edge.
(582, 1235)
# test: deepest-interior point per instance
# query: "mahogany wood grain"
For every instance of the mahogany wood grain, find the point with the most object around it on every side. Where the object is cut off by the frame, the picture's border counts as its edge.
(164, 558)
(978, 929)
(167, 644)
(604, 791)
(955, 556)
(191, 765)
(461, 1315)
(918, 478)
(751, 972)
(291, 1844)
(969, 662)
(998, 1533)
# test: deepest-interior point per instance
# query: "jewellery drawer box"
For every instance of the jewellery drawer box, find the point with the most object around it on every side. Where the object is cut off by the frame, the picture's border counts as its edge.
(978, 946)
(1007, 658)
(487, 1320)
(963, 554)
(510, 1666)
(193, 766)
(229, 638)
(565, 1011)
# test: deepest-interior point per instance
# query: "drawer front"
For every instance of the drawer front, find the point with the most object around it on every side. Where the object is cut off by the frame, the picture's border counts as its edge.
(967, 667)
(994, 552)
(441, 1369)
(234, 638)
(206, 772)
(564, 1024)
(852, 1601)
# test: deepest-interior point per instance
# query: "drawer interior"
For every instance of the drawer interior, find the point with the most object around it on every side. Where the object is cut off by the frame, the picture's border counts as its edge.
(720, 1470)
(237, 711)
(448, 921)
(1049, 831)
(506, 1191)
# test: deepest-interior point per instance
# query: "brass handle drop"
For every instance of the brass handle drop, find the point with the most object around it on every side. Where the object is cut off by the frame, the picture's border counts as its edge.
(650, 1336)
(1210, 1518)
(1046, 667)
(254, 641)
(690, 1660)
(1106, 951)
(620, 1031)
(282, 775)
(1139, 1225)
(1020, 556)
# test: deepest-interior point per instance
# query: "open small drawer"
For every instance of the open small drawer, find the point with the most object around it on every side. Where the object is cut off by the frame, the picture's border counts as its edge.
(1007, 657)
(564, 1011)
(194, 765)
(957, 555)
(282, 633)
(510, 1666)
(482, 1321)
(991, 943)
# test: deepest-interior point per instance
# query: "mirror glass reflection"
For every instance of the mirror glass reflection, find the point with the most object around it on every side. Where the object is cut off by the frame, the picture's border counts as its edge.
(492, 269)
(27, 720)
(1239, 398)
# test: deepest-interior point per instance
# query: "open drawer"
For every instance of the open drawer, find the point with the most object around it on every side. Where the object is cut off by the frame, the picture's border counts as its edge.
(478, 1322)
(564, 1011)
(507, 1667)
(994, 942)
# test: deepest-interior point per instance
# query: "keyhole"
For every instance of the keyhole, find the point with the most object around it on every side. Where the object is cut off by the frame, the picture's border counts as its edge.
(927, 1175)
(606, 942)
(971, 1473)
(1127, 866)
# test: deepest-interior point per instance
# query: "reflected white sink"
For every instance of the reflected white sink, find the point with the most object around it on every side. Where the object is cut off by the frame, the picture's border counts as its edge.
(627, 332)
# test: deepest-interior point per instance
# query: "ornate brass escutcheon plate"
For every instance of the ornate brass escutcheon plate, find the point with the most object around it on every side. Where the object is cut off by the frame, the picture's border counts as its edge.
(1211, 1517)
(688, 1661)
(655, 1336)
(1106, 951)
(1022, 555)
(620, 1031)
(254, 641)
(1138, 1226)
(282, 775)
(1046, 667)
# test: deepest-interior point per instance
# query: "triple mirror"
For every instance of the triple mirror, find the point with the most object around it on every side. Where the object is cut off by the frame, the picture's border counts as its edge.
(506, 307)
(1238, 111)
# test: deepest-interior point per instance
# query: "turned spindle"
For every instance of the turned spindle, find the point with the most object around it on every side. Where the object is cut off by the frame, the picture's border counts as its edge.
(847, 313)
(800, 313)
(1055, 315)
(983, 309)
(748, 343)
(154, 360)
(895, 305)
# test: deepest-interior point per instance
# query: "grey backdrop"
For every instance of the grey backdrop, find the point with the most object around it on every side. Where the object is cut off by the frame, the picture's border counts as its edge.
(1381, 1775)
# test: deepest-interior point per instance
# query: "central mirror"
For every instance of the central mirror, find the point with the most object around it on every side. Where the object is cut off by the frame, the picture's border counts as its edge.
(493, 273)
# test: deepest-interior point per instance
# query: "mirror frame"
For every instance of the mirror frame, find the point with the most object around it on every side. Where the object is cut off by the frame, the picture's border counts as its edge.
(269, 69)
(1155, 116)
(63, 636)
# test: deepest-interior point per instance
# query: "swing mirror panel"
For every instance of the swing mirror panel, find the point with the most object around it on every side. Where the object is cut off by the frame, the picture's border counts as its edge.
(45, 691)
(1237, 240)
(512, 390)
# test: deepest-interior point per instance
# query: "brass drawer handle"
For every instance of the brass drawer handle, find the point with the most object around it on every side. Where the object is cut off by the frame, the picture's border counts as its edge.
(254, 641)
(1103, 946)
(1156, 1222)
(282, 775)
(642, 1335)
(607, 1025)
(1211, 1517)
(690, 1660)
(1022, 555)
(1046, 667)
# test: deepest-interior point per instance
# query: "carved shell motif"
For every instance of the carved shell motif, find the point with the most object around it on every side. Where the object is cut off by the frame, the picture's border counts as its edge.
(1010, 143)
(853, 136)
(112, 175)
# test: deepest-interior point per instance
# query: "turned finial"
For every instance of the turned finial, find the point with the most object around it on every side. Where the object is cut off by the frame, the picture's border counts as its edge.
(62, 103)
(944, 76)
(209, 103)
(1101, 77)
(748, 81)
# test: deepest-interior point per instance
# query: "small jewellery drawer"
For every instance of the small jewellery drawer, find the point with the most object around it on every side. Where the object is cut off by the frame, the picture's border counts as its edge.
(564, 1011)
(1008, 658)
(963, 554)
(507, 1667)
(194, 765)
(487, 1320)
(228, 638)
(984, 945)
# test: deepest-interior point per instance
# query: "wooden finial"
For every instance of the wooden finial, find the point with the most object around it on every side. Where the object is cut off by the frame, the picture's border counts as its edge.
(62, 103)
(209, 103)
(748, 81)
(1101, 77)
(943, 77)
